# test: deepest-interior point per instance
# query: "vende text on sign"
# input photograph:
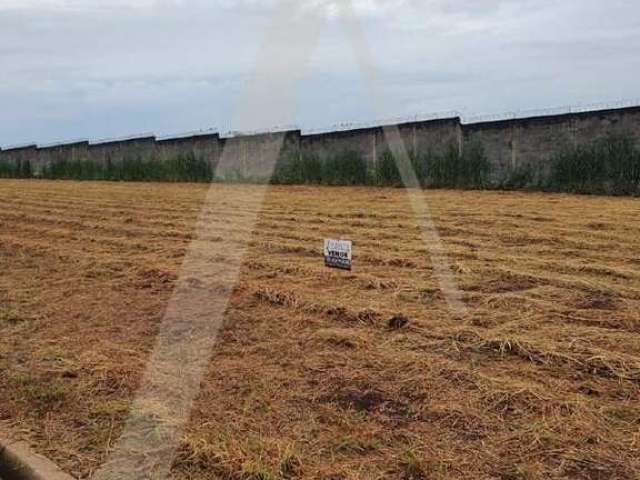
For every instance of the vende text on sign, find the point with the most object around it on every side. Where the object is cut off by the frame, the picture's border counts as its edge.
(337, 254)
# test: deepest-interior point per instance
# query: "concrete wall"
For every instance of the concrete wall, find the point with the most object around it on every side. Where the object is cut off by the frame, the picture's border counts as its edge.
(365, 141)
(70, 152)
(253, 156)
(531, 142)
(433, 135)
(509, 144)
(589, 125)
(118, 150)
(208, 147)
(17, 156)
(498, 140)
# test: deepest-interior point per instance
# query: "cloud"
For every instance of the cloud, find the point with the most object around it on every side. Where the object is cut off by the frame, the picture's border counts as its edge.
(97, 68)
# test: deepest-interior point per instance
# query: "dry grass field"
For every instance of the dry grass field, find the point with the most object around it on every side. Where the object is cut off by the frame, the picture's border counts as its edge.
(540, 379)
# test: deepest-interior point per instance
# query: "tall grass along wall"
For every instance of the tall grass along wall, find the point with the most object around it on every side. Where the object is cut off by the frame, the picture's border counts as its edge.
(609, 165)
(17, 169)
(181, 168)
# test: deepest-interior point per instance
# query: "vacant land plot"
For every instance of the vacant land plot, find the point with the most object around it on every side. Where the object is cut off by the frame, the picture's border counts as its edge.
(539, 379)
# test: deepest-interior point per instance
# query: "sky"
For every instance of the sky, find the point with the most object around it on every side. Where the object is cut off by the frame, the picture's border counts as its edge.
(98, 69)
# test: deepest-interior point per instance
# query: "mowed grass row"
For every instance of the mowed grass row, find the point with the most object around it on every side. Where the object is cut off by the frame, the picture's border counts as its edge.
(308, 380)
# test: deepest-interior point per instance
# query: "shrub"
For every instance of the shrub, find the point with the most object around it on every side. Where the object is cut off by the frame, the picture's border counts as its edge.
(25, 169)
(451, 169)
(474, 167)
(186, 167)
(298, 169)
(6, 169)
(420, 163)
(182, 168)
(439, 169)
(518, 178)
(9, 169)
(75, 169)
(345, 168)
(608, 165)
(287, 170)
(311, 169)
(15, 169)
(387, 171)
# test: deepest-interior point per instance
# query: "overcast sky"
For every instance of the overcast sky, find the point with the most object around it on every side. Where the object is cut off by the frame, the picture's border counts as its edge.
(93, 69)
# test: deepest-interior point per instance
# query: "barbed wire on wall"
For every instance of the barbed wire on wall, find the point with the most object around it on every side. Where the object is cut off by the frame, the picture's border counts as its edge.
(346, 126)
(190, 134)
(127, 138)
(551, 111)
(269, 131)
(18, 146)
(58, 143)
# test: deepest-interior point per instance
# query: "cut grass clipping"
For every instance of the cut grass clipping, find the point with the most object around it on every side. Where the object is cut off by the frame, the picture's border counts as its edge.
(310, 378)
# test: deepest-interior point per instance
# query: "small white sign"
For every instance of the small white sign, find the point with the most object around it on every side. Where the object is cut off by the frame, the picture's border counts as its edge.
(337, 254)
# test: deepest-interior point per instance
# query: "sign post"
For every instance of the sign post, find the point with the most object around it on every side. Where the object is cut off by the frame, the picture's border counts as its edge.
(337, 254)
